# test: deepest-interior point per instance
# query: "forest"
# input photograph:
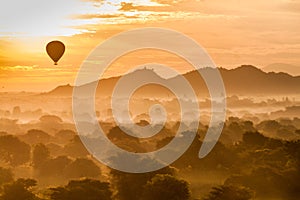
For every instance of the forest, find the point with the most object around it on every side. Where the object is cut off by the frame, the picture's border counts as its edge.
(252, 160)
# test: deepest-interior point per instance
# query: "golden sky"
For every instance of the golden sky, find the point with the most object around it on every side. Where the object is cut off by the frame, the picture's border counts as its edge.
(234, 32)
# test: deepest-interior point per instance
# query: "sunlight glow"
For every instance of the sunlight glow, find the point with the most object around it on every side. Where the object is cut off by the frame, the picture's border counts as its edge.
(56, 18)
(41, 18)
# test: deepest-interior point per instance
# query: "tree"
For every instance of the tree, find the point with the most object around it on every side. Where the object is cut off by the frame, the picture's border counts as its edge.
(64, 136)
(40, 155)
(130, 186)
(254, 139)
(166, 187)
(16, 111)
(51, 123)
(125, 141)
(20, 189)
(13, 151)
(6, 176)
(82, 189)
(55, 166)
(270, 126)
(230, 192)
(82, 168)
(190, 156)
(35, 136)
(51, 119)
(75, 148)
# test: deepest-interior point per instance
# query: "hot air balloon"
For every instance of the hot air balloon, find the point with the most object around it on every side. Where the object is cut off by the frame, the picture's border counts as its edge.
(55, 50)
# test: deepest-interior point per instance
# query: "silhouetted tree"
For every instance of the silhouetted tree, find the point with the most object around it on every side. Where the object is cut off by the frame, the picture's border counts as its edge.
(35, 136)
(51, 119)
(125, 141)
(230, 192)
(190, 157)
(13, 151)
(166, 187)
(75, 148)
(55, 166)
(2, 133)
(51, 123)
(40, 155)
(254, 139)
(16, 112)
(55, 149)
(270, 126)
(19, 190)
(265, 181)
(82, 189)
(64, 136)
(81, 168)
(129, 186)
(274, 143)
(6, 176)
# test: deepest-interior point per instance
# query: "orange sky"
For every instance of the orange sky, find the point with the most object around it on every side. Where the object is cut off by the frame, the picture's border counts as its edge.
(233, 32)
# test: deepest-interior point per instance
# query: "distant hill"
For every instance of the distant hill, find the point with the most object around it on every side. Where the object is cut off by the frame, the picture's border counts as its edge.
(244, 80)
(249, 80)
(105, 86)
(282, 67)
(64, 90)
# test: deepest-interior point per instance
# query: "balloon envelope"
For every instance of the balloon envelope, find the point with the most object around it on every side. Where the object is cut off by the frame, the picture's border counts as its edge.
(55, 50)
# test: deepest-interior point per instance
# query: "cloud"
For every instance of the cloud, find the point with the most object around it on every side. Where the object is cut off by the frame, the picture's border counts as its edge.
(105, 16)
(12, 72)
(69, 17)
(128, 6)
(18, 68)
(93, 16)
(155, 8)
(142, 11)
(159, 7)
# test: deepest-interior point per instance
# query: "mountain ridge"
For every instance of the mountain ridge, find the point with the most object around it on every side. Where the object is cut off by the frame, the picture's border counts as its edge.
(283, 67)
(243, 80)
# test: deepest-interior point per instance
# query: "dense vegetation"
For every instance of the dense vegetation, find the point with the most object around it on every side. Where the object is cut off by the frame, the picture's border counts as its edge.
(251, 161)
